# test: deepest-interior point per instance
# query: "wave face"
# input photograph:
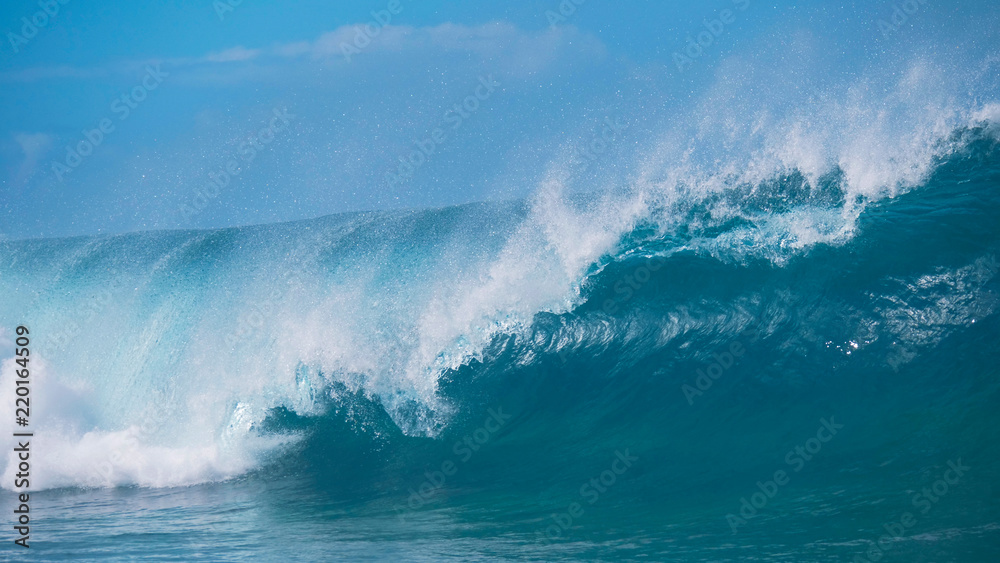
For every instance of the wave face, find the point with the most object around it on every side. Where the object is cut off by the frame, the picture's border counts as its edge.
(703, 322)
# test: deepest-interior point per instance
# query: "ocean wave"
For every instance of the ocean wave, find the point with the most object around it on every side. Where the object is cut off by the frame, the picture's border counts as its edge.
(162, 358)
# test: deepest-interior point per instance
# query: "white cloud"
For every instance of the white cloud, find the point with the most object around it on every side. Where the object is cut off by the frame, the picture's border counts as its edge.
(512, 51)
(516, 50)
(234, 54)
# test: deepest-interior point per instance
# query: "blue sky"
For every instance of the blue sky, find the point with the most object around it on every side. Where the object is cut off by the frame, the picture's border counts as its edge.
(203, 90)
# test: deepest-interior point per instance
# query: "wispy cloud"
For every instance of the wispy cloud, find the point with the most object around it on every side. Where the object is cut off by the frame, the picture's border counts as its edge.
(511, 49)
(234, 54)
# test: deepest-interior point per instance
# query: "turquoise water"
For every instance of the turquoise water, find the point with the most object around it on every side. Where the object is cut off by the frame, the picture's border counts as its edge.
(770, 371)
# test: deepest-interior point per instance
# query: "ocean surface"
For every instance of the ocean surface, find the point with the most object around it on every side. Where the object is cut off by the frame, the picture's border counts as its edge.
(765, 361)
